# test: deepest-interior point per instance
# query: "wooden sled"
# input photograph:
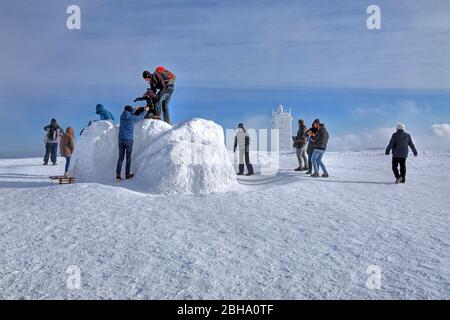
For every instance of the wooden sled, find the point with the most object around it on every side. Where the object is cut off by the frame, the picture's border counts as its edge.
(63, 179)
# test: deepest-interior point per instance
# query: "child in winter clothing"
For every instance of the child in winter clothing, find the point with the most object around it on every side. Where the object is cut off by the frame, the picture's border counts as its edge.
(242, 140)
(399, 144)
(51, 139)
(66, 146)
(103, 113)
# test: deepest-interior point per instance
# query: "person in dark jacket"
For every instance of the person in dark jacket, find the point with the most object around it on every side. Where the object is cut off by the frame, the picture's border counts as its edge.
(320, 146)
(163, 87)
(399, 144)
(300, 144)
(126, 138)
(53, 133)
(310, 149)
(242, 140)
(103, 113)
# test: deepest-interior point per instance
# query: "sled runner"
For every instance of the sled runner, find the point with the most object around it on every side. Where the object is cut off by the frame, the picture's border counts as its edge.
(63, 179)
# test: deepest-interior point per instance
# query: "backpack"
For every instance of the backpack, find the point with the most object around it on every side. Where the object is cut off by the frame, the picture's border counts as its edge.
(52, 133)
(169, 77)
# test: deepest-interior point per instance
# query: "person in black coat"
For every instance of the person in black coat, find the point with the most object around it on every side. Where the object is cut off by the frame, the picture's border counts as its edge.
(399, 144)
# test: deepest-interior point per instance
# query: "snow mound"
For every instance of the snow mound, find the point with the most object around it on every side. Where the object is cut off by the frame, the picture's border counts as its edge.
(190, 157)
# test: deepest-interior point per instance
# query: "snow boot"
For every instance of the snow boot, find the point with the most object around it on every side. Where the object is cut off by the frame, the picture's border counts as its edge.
(315, 175)
(66, 174)
(309, 172)
(249, 174)
(129, 176)
(45, 164)
(305, 169)
(403, 180)
(399, 179)
(299, 169)
(241, 170)
(118, 178)
(55, 164)
(325, 175)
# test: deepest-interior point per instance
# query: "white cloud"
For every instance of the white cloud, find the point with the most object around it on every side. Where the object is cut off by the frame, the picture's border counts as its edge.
(378, 138)
(441, 131)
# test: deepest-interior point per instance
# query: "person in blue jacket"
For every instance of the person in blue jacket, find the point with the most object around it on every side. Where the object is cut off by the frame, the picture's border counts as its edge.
(103, 113)
(126, 137)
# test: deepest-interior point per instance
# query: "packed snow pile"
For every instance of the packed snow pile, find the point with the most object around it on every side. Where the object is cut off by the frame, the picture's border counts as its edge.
(190, 157)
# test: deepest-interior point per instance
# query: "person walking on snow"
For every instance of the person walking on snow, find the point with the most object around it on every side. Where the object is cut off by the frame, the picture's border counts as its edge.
(162, 83)
(52, 134)
(126, 138)
(399, 144)
(300, 144)
(66, 147)
(103, 113)
(310, 149)
(242, 140)
(320, 146)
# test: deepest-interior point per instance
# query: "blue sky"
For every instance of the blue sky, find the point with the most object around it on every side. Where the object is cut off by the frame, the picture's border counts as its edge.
(234, 61)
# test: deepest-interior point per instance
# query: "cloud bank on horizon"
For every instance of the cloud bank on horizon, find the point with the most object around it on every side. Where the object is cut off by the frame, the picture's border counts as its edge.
(243, 50)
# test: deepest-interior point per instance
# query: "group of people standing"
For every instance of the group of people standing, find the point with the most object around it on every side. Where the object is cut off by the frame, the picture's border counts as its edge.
(310, 145)
(54, 137)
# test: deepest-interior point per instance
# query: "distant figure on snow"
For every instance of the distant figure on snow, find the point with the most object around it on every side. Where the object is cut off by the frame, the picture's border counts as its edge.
(242, 140)
(162, 83)
(300, 144)
(320, 146)
(51, 139)
(310, 149)
(399, 144)
(126, 137)
(103, 113)
(66, 146)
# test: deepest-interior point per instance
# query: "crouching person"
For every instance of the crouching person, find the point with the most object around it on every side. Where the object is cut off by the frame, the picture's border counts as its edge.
(399, 144)
(242, 140)
(66, 146)
(126, 137)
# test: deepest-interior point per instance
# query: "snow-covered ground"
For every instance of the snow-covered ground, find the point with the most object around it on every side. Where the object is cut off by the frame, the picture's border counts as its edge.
(285, 236)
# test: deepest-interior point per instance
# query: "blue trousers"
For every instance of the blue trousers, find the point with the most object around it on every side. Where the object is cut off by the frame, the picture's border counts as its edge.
(125, 148)
(162, 105)
(67, 163)
(317, 160)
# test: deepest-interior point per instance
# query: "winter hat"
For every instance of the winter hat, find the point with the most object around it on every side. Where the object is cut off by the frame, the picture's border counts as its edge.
(99, 108)
(128, 108)
(146, 74)
(301, 121)
(241, 125)
(401, 126)
(53, 121)
(316, 121)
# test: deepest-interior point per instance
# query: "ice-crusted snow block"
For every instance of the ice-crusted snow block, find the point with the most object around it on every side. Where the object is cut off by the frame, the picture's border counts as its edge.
(189, 157)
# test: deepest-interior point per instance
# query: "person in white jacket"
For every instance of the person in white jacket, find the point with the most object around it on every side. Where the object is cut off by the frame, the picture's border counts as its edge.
(242, 140)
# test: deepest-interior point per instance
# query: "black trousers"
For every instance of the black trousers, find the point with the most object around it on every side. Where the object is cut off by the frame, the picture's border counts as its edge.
(247, 162)
(125, 148)
(396, 162)
(50, 152)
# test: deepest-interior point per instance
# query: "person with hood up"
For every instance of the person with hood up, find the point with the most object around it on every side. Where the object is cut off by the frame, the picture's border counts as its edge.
(126, 138)
(103, 113)
(300, 144)
(242, 140)
(400, 141)
(320, 146)
(51, 139)
(66, 147)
